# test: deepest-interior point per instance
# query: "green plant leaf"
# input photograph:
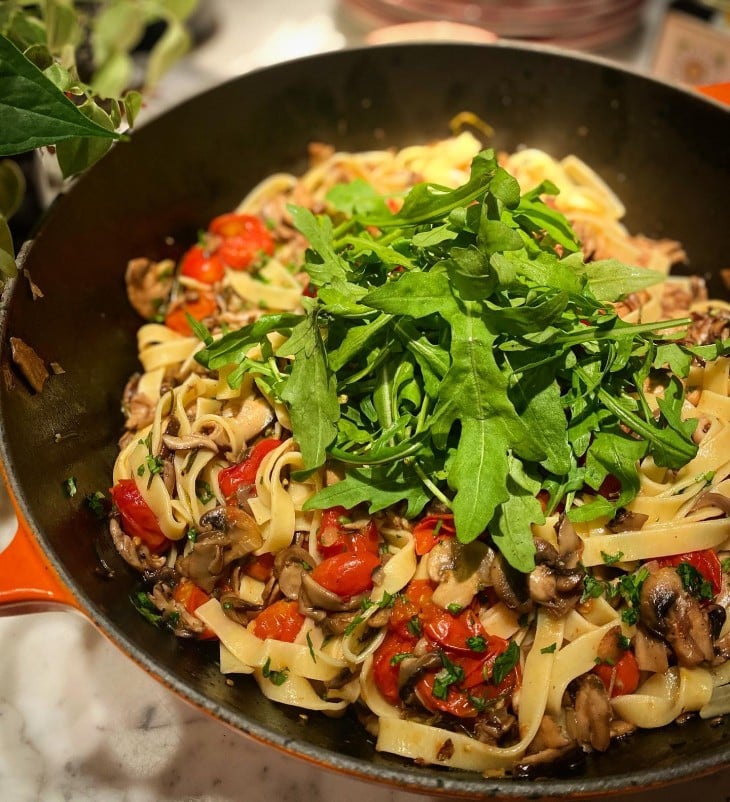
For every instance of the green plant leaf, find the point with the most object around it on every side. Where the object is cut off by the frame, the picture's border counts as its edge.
(34, 112)
(12, 189)
(78, 154)
(171, 46)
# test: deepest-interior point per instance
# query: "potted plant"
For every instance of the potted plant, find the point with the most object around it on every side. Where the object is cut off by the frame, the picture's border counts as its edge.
(70, 83)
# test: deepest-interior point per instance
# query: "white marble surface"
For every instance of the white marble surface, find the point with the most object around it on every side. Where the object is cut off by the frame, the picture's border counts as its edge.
(78, 719)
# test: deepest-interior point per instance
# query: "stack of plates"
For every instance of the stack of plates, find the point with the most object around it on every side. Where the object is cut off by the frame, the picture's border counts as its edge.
(570, 23)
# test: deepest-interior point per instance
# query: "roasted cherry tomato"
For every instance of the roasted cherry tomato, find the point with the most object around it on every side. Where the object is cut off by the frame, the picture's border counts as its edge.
(177, 320)
(624, 674)
(408, 606)
(472, 688)
(191, 597)
(260, 566)
(347, 574)
(244, 473)
(200, 264)
(138, 520)
(453, 631)
(334, 538)
(431, 530)
(706, 562)
(245, 237)
(280, 621)
(385, 668)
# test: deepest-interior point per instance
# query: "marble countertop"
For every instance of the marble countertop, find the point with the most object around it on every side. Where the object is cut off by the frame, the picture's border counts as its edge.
(81, 721)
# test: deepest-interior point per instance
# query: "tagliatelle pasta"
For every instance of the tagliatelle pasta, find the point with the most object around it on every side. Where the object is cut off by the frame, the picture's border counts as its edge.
(433, 456)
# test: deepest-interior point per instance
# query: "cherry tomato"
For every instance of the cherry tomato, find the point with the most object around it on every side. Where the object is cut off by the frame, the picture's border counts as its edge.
(408, 606)
(244, 473)
(260, 566)
(202, 265)
(466, 697)
(706, 562)
(347, 574)
(177, 320)
(245, 237)
(385, 671)
(451, 631)
(625, 674)
(280, 621)
(138, 520)
(610, 487)
(191, 597)
(333, 538)
(431, 530)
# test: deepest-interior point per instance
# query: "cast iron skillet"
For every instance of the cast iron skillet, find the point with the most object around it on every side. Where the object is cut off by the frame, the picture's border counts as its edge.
(665, 150)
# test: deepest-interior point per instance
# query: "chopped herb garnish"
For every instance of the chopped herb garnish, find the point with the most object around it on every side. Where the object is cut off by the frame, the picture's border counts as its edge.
(69, 485)
(450, 674)
(192, 534)
(549, 649)
(592, 588)
(623, 642)
(400, 657)
(276, 677)
(725, 565)
(353, 625)
(414, 627)
(454, 608)
(477, 643)
(203, 491)
(612, 559)
(95, 502)
(694, 582)
(505, 662)
(144, 606)
(479, 703)
(311, 648)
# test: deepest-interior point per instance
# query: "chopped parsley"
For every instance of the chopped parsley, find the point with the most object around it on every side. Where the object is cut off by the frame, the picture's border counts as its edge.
(414, 627)
(69, 485)
(396, 659)
(276, 677)
(95, 502)
(505, 662)
(311, 648)
(694, 582)
(450, 674)
(477, 643)
(549, 649)
(203, 491)
(144, 606)
(454, 608)
(192, 534)
(612, 559)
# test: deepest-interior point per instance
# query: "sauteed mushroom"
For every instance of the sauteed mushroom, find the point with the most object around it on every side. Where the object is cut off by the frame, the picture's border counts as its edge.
(233, 535)
(289, 568)
(133, 551)
(592, 713)
(669, 611)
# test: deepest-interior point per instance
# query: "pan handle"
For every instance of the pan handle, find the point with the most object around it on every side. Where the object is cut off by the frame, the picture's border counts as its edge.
(719, 92)
(28, 581)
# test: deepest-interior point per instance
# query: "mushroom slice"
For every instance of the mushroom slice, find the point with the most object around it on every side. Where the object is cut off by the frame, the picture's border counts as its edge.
(666, 609)
(133, 551)
(592, 713)
(149, 284)
(236, 535)
(290, 565)
(313, 596)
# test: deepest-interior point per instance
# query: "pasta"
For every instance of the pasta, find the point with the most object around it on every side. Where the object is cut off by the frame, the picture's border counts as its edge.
(446, 648)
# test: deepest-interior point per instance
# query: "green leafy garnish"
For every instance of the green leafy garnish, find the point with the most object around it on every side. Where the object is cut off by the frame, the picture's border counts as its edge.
(549, 649)
(277, 677)
(449, 675)
(477, 643)
(694, 582)
(505, 662)
(455, 353)
(69, 486)
(143, 605)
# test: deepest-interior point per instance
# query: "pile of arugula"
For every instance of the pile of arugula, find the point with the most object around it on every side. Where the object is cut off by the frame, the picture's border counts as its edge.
(462, 350)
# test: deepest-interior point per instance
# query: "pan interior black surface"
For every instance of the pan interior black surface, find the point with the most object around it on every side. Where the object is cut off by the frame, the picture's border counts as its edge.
(664, 150)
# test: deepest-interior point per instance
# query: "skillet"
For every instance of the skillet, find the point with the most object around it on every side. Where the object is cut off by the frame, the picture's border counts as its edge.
(663, 149)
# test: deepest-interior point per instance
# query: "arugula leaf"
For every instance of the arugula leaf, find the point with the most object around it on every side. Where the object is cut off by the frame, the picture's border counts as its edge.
(609, 279)
(311, 393)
